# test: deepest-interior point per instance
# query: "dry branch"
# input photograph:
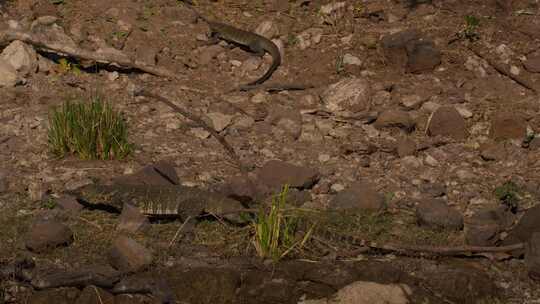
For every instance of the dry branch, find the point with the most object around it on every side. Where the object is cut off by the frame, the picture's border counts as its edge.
(274, 87)
(411, 250)
(101, 56)
(505, 70)
(199, 122)
(446, 251)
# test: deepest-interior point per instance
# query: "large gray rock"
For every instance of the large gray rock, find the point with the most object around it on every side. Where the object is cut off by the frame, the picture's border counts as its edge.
(21, 56)
(350, 94)
(8, 75)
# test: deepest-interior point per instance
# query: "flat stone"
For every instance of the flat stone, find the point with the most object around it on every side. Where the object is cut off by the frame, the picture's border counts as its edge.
(395, 118)
(8, 75)
(458, 283)
(128, 255)
(395, 46)
(507, 125)
(406, 147)
(275, 173)
(219, 120)
(423, 56)
(493, 151)
(46, 235)
(349, 94)
(361, 292)
(446, 121)
(532, 64)
(132, 220)
(360, 195)
(434, 213)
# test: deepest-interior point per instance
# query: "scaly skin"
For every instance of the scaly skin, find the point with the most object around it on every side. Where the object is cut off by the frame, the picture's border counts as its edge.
(162, 201)
(256, 43)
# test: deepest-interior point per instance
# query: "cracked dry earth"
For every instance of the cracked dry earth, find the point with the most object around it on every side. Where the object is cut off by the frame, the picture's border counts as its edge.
(403, 119)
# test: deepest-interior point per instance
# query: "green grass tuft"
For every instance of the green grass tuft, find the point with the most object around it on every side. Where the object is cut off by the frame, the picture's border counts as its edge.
(508, 194)
(275, 229)
(91, 130)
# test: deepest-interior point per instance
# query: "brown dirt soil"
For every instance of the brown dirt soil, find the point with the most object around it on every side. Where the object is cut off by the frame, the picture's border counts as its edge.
(167, 30)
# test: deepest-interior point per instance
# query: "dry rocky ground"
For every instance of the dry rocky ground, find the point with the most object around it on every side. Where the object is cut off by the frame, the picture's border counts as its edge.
(423, 112)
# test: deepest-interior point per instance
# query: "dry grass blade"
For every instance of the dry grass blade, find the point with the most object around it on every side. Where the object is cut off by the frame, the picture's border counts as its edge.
(173, 240)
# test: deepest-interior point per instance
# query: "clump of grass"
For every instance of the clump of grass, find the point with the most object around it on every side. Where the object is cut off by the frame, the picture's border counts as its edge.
(91, 130)
(471, 23)
(65, 66)
(469, 30)
(275, 229)
(507, 193)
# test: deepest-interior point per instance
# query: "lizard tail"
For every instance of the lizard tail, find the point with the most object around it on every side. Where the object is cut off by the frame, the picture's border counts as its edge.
(275, 63)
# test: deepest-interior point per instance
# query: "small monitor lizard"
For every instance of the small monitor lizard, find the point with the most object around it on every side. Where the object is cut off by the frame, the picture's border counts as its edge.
(254, 42)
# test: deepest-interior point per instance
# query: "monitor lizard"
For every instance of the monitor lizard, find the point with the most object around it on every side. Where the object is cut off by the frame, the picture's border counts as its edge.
(161, 200)
(252, 41)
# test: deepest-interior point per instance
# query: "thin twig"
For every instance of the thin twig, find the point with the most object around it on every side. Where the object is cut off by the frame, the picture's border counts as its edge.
(274, 87)
(98, 295)
(197, 120)
(90, 222)
(178, 231)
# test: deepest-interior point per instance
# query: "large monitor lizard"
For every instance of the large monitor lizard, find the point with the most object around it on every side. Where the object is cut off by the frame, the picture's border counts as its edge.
(161, 201)
(254, 42)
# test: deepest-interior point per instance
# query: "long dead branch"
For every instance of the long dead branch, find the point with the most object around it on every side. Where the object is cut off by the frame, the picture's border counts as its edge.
(101, 56)
(411, 250)
(274, 87)
(448, 251)
(197, 120)
(505, 70)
